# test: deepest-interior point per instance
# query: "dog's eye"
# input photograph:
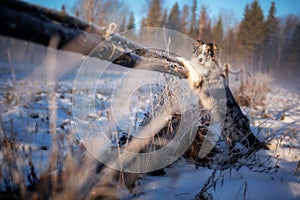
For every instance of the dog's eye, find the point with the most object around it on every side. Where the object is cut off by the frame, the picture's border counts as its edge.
(208, 51)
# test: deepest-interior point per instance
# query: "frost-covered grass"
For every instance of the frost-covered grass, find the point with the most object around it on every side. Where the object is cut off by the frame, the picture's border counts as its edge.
(272, 174)
(43, 157)
(252, 92)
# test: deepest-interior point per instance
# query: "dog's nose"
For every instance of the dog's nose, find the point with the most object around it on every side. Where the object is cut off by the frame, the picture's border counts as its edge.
(200, 60)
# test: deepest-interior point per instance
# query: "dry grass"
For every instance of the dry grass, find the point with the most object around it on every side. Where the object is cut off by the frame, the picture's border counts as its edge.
(71, 172)
(77, 175)
(74, 175)
(253, 91)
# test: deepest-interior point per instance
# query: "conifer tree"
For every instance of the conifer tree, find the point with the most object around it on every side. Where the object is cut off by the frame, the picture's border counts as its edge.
(131, 24)
(174, 18)
(286, 36)
(154, 14)
(122, 26)
(193, 27)
(207, 34)
(271, 41)
(293, 59)
(217, 32)
(184, 19)
(204, 27)
(202, 22)
(164, 19)
(144, 23)
(63, 8)
(228, 52)
(250, 35)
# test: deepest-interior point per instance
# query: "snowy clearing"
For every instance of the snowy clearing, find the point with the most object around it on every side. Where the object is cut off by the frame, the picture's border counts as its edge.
(273, 174)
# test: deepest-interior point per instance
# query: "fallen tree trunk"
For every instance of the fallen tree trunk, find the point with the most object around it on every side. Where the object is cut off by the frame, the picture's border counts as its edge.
(37, 24)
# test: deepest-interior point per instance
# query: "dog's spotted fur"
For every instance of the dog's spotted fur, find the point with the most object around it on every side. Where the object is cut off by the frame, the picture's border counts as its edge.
(204, 54)
(236, 125)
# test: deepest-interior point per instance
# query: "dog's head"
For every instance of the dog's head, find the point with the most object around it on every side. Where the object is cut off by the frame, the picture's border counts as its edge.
(204, 53)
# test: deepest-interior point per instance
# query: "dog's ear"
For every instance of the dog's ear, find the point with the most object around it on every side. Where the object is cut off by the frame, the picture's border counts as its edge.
(213, 47)
(197, 44)
(200, 42)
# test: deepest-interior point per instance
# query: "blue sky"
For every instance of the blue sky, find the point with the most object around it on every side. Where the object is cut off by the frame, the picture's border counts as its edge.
(215, 7)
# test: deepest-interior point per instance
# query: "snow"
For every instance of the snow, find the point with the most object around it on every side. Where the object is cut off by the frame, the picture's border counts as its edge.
(273, 176)
(263, 175)
(183, 181)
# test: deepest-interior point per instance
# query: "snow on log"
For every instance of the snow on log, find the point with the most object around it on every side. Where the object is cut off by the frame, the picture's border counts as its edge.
(37, 24)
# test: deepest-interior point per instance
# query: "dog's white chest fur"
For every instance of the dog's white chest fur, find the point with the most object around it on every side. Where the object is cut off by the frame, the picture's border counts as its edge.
(195, 70)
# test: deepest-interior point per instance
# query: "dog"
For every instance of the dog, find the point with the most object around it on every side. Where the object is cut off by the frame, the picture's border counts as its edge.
(202, 61)
(204, 54)
(204, 68)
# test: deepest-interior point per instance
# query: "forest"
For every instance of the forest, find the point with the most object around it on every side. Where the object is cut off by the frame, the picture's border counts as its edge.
(260, 43)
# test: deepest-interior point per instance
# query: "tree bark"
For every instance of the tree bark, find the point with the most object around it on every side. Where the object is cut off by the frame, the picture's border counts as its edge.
(37, 24)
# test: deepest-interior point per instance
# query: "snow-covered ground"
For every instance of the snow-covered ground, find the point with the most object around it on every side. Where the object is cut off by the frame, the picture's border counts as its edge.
(273, 174)
(25, 117)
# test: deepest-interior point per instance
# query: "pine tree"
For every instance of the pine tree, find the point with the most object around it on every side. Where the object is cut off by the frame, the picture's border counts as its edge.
(77, 13)
(63, 8)
(164, 19)
(251, 35)
(293, 59)
(144, 22)
(228, 52)
(217, 32)
(174, 18)
(271, 40)
(131, 24)
(154, 14)
(208, 32)
(202, 22)
(184, 19)
(122, 26)
(286, 36)
(193, 28)
(204, 28)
